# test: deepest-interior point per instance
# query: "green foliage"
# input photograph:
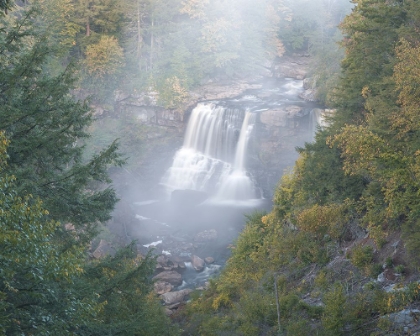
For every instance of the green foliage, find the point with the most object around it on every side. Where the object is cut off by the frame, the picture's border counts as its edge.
(122, 287)
(299, 327)
(36, 276)
(400, 269)
(45, 125)
(333, 319)
(361, 256)
(47, 285)
(5, 6)
(361, 173)
(104, 62)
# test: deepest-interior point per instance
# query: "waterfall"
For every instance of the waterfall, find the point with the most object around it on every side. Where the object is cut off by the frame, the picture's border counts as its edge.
(237, 185)
(213, 155)
(318, 118)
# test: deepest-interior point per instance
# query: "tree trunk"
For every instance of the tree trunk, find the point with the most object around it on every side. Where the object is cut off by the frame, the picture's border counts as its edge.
(139, 37)
(151, 46)
(88, 27)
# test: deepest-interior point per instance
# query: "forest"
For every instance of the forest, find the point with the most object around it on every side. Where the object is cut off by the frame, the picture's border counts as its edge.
(345, 215)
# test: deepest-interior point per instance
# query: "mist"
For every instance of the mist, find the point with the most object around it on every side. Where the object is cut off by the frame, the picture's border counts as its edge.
(225, 92)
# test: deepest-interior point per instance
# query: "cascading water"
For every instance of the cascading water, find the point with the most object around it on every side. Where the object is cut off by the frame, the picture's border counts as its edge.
(237, 185)
(212, 158)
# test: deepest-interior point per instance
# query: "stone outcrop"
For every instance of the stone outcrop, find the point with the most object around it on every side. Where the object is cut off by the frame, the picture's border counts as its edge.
(162, 287)
(172, 277)
(281, 117)
(171, 298)
(406, 319)
(308, 95)
(291, 67)
(217, 91)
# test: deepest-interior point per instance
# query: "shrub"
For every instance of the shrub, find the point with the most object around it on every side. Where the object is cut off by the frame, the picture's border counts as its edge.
(362, 256)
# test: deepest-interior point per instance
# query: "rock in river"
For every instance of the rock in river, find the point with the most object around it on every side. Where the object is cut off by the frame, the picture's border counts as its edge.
(174, 278)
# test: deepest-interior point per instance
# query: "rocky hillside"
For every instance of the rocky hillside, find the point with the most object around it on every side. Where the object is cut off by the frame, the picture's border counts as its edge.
(339, 252)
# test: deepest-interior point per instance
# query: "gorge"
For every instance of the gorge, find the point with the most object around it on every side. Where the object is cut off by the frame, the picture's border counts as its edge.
(234, 151)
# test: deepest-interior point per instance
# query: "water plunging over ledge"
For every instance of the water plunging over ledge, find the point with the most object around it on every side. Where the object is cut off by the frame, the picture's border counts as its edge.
(213, 156)
(222, 160)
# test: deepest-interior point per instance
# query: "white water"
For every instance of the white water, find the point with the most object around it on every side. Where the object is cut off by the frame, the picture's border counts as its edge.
(318, 119)
(213, 156)
(237, 185)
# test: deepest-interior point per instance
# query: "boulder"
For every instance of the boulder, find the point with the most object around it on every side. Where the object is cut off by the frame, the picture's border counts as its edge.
(174, 278)
(162, 287)
(171, 298)
(209, 260)
(197, 263)
(162, 261)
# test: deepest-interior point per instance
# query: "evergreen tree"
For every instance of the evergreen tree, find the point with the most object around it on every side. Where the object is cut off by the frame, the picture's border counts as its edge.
(46, 126)
(36, 294)
(5, 6)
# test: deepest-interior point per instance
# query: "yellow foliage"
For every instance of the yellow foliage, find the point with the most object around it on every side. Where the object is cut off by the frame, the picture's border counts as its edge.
(329, 219)
(174, 93)
(221, 300)
(194, 8)
(104, 58)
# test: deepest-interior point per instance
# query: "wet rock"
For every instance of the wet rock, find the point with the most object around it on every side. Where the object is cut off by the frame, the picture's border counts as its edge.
(212, 91)
(308, 95)
(162, 287)
(209, 260)
(279, 117)
(162, 260)
(171, 298)
(164, 263)
(197, 263)
(173, 277)
(288, 67)
(205, 236)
